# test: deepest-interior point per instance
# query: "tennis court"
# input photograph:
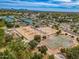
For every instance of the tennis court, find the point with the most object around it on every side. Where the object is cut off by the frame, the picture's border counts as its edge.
(55, 42)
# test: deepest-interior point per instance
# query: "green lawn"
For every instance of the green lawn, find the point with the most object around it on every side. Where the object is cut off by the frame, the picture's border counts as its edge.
(1, 32)
(1, 23)
(1, 37)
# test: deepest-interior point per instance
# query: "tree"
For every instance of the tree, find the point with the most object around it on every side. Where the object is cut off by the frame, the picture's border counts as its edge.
(37, 56)
(37, 38)
(62, 50)
(58, 32)
(9, 25)
(51, 57)
(55, 26)
(77, 39)
(7, 55)
(43, 49)
(8, 38)
(44, 37)
(72, 53)
(19, 49)
(33, 44)
(16, 26)
(75, 30)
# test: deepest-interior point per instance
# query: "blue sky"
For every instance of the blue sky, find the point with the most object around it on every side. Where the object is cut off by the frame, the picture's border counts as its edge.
(42, 5)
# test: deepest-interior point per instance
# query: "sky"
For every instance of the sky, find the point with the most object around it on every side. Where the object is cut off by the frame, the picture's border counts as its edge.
(42, 5)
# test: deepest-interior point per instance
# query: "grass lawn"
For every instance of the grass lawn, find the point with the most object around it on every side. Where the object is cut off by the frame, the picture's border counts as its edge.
(1, 23)
(1, 37)
(1, 32)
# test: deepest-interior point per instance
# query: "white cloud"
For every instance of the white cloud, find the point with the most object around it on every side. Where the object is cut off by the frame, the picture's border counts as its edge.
(41, 5)
(70, 4)
(22, 3)
(62, 0)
